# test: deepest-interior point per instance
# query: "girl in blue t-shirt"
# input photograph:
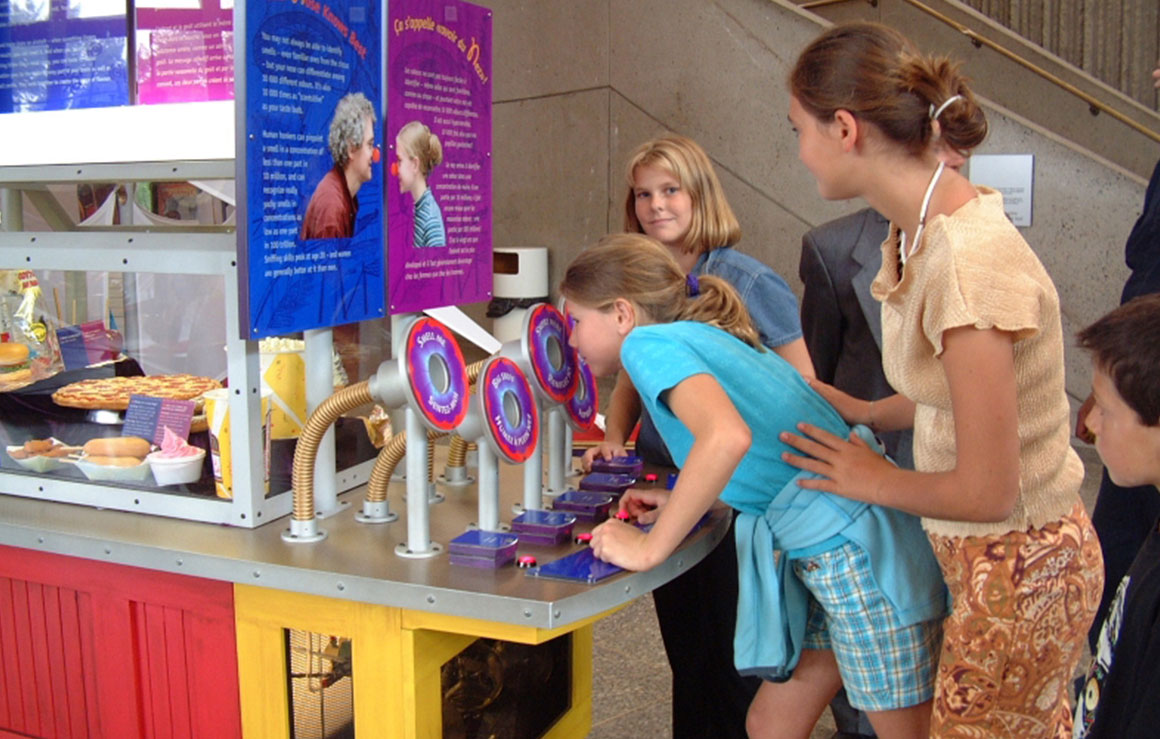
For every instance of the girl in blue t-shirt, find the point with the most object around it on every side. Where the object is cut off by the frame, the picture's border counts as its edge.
(856, 597)
(672, 194)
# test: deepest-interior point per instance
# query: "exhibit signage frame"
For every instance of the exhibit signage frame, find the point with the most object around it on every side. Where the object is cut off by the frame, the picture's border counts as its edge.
(303, 62)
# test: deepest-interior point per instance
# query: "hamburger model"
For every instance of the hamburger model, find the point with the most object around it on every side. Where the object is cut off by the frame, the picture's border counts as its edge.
(15, 363)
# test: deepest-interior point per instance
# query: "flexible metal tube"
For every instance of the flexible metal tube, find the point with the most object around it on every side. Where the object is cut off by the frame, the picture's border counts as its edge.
(388, 459)
(305, 453)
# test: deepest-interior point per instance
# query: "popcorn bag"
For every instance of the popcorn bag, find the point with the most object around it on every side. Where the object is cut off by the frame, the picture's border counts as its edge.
(25, 320)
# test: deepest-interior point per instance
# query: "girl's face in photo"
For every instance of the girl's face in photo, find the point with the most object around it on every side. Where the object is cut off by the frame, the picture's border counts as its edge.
(818, 148)
(408, 166)
(597, 336)
(663, 207)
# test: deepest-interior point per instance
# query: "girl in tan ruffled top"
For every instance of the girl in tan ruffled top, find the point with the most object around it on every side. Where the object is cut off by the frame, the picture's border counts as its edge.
(972, 342)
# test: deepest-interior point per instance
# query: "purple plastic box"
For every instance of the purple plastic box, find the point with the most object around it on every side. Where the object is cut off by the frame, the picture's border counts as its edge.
(630, 465)
(585, 505)
(604, 482)
(484, 549)
(543, 528)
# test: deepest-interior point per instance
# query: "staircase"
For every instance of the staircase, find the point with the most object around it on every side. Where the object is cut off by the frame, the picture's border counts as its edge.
(1104, 50)
(1115, 41)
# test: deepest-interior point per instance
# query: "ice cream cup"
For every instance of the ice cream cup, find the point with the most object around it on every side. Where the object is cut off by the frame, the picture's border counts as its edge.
(217, 411)
(176, 470)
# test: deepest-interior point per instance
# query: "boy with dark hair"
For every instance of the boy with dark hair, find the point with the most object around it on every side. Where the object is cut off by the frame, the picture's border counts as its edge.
(1119, 698)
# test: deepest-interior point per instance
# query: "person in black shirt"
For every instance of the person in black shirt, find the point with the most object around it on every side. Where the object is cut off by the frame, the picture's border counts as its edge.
(1119, 697)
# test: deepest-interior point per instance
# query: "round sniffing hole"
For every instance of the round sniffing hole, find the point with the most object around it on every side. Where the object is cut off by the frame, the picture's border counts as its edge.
(439, 374)
(511, 409)
(555, 353)
(582, 393)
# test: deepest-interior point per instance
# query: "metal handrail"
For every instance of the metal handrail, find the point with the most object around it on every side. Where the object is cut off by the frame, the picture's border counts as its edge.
(1095, 106)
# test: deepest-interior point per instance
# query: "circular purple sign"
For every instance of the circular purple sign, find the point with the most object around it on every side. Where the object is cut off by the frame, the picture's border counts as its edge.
(436, 374)
(511, 418)
(582, 404)
(552, 360)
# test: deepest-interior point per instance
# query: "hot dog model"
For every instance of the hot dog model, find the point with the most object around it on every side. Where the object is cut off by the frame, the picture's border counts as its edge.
(124, 451)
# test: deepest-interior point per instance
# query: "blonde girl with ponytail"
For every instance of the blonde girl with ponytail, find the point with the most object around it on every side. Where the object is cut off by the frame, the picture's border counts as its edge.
(418, 151)
(673, 194)
(972, 341)
(720, 400)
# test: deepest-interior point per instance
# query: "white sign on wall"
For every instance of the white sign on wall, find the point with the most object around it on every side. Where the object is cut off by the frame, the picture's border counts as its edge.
(1010, 174)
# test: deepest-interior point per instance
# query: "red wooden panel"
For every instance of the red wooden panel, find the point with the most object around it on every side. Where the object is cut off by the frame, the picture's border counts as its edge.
(178, 678)
(141, 663)
(215, 704)
(93, 649)
(71, 649)
(25, 660)
(9, 715)
(89, 664)
(57, 668)
(41, 668)
(154, 670)
(115, 652)
(134, 583)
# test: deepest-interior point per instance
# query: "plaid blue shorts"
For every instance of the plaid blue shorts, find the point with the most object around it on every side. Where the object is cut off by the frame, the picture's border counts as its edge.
(884, 666)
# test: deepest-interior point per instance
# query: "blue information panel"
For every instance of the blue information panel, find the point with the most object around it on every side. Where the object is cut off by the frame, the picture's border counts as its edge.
(580, 566)
(313, 254)
(61, 54)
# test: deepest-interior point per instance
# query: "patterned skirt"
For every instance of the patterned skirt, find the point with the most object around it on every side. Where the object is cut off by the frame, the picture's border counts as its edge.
(1022, 605)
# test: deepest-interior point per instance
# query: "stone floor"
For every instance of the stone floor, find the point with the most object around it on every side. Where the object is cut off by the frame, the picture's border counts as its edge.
(631, 698)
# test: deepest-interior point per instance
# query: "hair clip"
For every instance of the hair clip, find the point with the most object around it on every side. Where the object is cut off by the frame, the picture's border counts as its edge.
(935, 113)
(692, 285)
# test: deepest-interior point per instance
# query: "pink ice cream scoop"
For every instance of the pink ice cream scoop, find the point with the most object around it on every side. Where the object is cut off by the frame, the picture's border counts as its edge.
(175, 447)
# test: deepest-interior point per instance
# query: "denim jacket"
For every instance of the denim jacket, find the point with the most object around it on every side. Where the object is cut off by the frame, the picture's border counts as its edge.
(771, 304)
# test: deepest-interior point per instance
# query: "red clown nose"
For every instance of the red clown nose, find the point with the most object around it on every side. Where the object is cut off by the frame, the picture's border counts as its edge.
(376, 156)
(394, 169)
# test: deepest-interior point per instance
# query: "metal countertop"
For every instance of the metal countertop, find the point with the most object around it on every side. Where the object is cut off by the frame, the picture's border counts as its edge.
(356, 561)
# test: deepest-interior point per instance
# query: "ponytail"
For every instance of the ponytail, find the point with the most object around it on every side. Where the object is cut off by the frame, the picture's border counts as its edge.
(718, 304)
(879, 76)
(639, 269)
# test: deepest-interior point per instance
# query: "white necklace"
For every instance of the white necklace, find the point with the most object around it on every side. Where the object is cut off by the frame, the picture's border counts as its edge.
(903, 252)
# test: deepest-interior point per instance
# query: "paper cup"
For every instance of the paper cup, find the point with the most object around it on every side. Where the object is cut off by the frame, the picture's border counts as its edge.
(176, 470)
(284, 374)
(217, 412)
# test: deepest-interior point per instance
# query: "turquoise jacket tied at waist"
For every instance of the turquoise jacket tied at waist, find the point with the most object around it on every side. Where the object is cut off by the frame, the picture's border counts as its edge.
(772, 604)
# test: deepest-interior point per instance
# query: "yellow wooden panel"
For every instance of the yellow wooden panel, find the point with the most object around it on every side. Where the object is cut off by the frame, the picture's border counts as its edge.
(262, 680)
(577, 722)
(287, 610)
(424, 653)
(377, 664)
(507, 632)
(397, 658)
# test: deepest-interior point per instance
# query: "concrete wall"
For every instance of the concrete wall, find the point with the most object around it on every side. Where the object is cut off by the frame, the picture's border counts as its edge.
(1046, 104)
(578, 85)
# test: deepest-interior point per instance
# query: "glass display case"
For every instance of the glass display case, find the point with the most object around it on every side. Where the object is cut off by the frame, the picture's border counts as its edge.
(141, 295)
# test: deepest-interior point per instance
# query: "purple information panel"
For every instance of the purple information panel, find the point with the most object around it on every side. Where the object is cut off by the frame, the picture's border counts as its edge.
(313, 247)
(185, 51)
(439, 137)
(148, 417)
